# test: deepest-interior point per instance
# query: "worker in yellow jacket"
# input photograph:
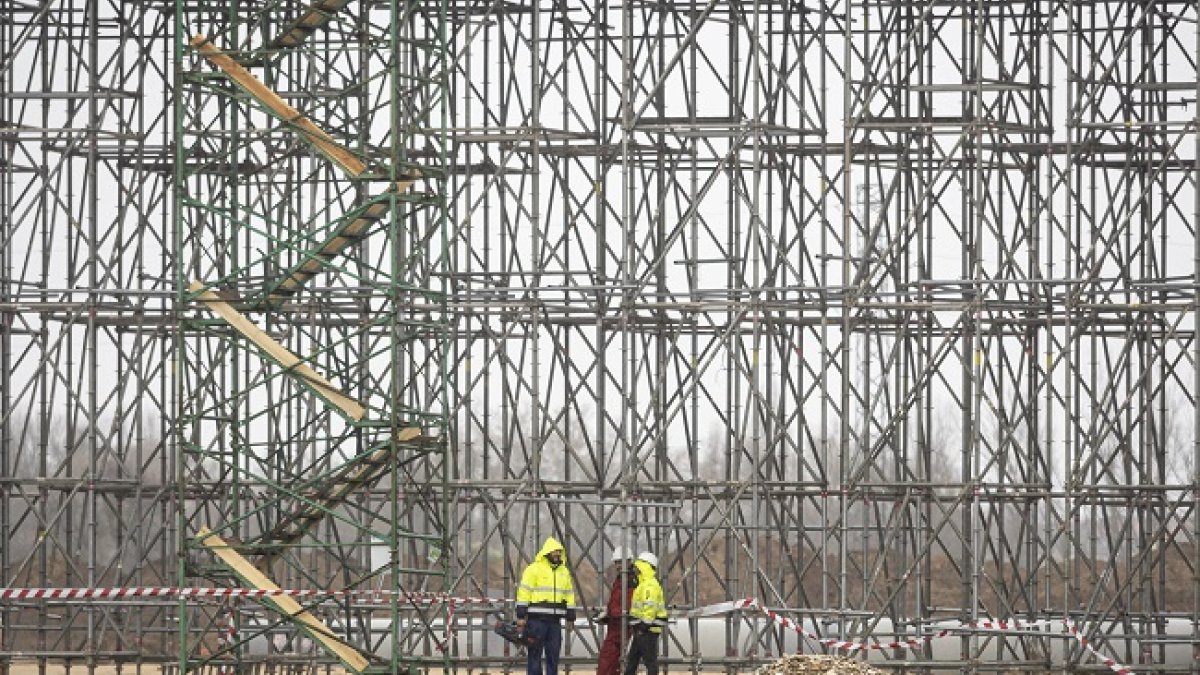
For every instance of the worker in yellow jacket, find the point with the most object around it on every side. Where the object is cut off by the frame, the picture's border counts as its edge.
(647, 614)
(545, 596)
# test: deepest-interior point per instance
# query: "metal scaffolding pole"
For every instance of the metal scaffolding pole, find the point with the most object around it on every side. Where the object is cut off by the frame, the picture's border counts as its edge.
(85, 492)
(307, 163)
(880, 312)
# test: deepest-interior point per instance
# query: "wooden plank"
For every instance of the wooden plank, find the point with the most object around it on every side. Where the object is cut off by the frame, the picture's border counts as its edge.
(277, 352)
(324, 143)
(363, 473)
(338, 154)
(316, 16)
(333, 246)
(408, 434)
(283, 604)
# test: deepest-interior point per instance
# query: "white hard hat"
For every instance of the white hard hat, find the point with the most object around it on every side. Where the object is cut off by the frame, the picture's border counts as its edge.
(649, 558)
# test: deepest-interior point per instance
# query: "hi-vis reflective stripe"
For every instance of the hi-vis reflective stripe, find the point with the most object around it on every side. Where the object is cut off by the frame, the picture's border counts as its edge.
(543, 589)
(638, 604)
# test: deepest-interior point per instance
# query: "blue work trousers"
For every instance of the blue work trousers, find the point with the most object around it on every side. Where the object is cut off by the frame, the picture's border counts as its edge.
(548, 631)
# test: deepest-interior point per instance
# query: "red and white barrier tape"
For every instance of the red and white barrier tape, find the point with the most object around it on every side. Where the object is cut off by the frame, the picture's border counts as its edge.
(911, 643)
(1112, 664)
(208, 592)
(451, 602)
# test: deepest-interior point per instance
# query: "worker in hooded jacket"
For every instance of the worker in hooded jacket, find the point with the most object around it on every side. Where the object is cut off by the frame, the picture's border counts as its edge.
(545, 597)
(648, 615)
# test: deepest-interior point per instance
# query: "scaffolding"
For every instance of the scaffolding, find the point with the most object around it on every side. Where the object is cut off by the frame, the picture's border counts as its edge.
(312, 420)
(882, 313)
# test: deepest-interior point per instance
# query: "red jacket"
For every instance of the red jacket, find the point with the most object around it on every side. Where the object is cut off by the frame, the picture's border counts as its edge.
(617, 609)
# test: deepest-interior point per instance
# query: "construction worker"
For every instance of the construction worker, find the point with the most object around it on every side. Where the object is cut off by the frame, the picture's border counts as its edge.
(545, 596)
(648, 614)
(615, 615)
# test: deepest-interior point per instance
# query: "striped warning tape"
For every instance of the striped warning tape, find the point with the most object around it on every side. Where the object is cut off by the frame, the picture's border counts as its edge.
(910, 643)
(452, 601)
(1112, 664)
(209, 592)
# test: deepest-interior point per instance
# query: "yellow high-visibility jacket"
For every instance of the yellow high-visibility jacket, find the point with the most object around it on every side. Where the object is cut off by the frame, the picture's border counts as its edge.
(546, 590)
(648, 609)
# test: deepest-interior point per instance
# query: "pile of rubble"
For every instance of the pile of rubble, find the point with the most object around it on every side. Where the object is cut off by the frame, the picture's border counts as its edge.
(816, 664)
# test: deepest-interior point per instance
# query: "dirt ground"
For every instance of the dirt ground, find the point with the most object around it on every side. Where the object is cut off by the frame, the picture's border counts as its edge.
(31, 668)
